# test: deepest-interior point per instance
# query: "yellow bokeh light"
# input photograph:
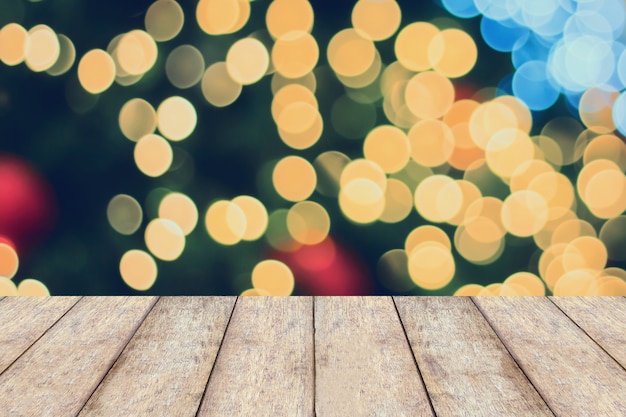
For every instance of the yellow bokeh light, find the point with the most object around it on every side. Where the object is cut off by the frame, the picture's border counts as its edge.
(274, 277)
(556, 189)
(136, 53)
(585, 252)
(579, 282)
(365, 79)
(526, 172)
(284, 16)
(255, 214)
(289, 94)
(398, 202)
(253, 292)
(225, 222)
(137, 119)
(247, 61)
(506, 150)
(218, 87)
(470, 194)
(521, 111)
(524, 213)
(362, 200)
(96, 71)
(452, 53)
(138, 270)
(525, 283)
(180, 209)
(300, 125)
(608, 147)
(596, 109)
(479, 240)
(13, 44)
(431, 267)
(220, 17)
(294, 178)
(429, 95)
(388, 147)
(42, 48)
(184, 66)
(153, 155)
(488, 119)
(308, 223)
(164, 239)
(412, 45)
(362, 168)
(32, 288)
(124, 214)
(438, 198)
(7, 287)
(350, 54)
(427, 234)
(9, 261)
(164, 20)
(570, 229)
(432, 142)
(295, 54)
(67, 56)
(469, 290)
(176, 118)
(376, 19)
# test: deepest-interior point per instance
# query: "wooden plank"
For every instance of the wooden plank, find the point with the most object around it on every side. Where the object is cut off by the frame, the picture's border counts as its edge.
(165, 367)
(573, 375)
(465, 367)
(24, 319)
(265, 364)
(56, 376)
(602, 318)
(363, 363)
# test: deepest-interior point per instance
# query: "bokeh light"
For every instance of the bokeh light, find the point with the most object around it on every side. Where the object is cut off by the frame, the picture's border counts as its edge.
(96, 71)
(274, 277)
(124, 214)
(138, 270)
(9, 261)
(176, 118)
(164, 239)
(164, 20)
(153, 155)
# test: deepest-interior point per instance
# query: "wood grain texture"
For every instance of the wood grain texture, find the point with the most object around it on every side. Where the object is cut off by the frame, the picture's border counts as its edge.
(573, 375)
(56, 376)
(164, 369)
(364, 365)
(465, 367)
(24, 319)
(265, 364)
(603, 318)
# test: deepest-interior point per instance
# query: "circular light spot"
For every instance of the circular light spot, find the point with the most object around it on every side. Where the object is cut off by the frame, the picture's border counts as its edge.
(469, 290)
(479, 240)
(138, 270)
(362, 168)
(67, 56)
(576, 283)
(247, 61)
(452, 53)
(596, 109)
(96, 71)
(300, 125)
(290, 94)
(608, 147)
(555, 188)
(350, 54)
(42, 48)
(429, 95)
(274, 277)
(124, 214)
(526, 172)
(524, 213)
(225, 222)
(488, 119)
(532, 86)
(602, 204)
(7, 287)
(362, 200)
(153, 155)
(9, 262)
(218, 87)
(165, 239)
(255, 214)
(294, 178)
(164, 20)
(506, 150)
(136, 53)
(413, 43)
(176, 118)
(376, 19)
(137, 119)
(184, 66)
(308, 223)
(569, 230)
(526, 283)
(438, 198)
(32, 288)
(284, 16)
(432, 142)
(253, 292)
(388, 147)
(427, 234)
(181, 210)
(471, 193)
(431, 267)
(295, 54)
(398, 202)
(220, 17)
(585, 252)
(13, 44)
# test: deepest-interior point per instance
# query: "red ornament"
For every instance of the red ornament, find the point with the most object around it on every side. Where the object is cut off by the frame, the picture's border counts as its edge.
(27, 204)
(327, 268)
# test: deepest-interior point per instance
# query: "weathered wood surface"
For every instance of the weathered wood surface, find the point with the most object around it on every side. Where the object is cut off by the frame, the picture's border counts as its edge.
(265, 364)
(363, 363)
(304, 356)
(602, 318)
(56, 376)
(26, 319)
(571, 372)
(164, 369)
(466, 369)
